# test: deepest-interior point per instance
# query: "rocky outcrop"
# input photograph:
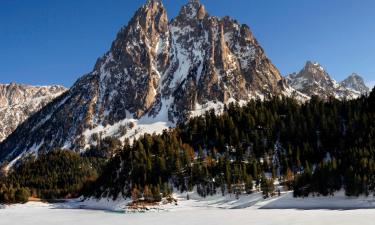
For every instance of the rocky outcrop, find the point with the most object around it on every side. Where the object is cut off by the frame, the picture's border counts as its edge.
(18, 102)
(313, 80)
(355, 82)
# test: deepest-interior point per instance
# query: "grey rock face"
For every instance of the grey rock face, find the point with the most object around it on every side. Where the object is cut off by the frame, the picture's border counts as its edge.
(157, 73)
(356, 83)
(18, 102)
(314, 80)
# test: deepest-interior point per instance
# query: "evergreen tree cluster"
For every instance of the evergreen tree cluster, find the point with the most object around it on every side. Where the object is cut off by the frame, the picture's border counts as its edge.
(58, 174)
(317, 147)
(159, 163)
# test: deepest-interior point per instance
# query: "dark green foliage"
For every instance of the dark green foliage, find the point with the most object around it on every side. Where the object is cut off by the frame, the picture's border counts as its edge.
(372, 100)
(9, 194)
(58, 174)
(316, 148)
(22, 195)
(267, 187)
(315, 143)
(325, 180)
(105, 149)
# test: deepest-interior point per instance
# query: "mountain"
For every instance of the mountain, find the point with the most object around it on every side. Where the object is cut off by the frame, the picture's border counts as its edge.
(156, 74)
(356, 83)
(18, 102)
(314, 80)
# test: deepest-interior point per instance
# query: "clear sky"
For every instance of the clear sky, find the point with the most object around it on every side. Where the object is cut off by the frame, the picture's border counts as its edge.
(57, 41)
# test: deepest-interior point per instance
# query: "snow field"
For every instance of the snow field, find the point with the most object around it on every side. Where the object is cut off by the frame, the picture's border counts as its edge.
(45, 214)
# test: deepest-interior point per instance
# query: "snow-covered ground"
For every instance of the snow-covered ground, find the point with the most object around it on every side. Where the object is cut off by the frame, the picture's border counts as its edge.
(255, 201)
(45, 214)
(337, 202)
(252, 209)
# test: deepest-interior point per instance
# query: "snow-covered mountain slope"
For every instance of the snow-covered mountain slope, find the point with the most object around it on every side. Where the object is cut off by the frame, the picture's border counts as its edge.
(18, 102)
(356, 83)
(314, 80)
(156, 74)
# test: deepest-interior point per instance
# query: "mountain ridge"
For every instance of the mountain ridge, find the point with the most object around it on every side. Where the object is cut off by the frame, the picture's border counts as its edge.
(20, 101)
(157, 73)
(313, 79)
(356, 82)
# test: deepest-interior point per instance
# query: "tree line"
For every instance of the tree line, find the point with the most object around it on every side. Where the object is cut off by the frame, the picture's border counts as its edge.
(314, 148)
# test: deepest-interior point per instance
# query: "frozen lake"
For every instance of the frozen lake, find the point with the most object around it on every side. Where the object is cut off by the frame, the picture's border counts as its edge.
(45, 214)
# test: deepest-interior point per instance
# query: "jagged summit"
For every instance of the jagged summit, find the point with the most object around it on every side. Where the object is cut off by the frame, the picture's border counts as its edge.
(153, 1)
(313, 65)
(193, 10)
(156, 74)
(355, 76)
(313, 79)
(315, 72)
(356, 83)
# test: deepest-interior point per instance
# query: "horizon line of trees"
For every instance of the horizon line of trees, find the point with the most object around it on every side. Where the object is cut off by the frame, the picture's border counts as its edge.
(314, 148)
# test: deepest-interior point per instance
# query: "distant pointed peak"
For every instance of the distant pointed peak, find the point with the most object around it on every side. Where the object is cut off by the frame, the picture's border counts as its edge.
(195, 3)
(154, 5)
(193, 9)
(355, 82)
(153, 1)
(14, 84)
(151, 8)
(355, 75)
(314, 65)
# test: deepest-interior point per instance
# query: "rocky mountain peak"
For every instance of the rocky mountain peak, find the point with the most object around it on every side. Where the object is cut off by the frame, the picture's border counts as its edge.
(132, 68)
(314, 71)
(312, 64)
(156, 74)
(314, 80)
(15, 94)
(356, 83)
(311, 79)
(150, 2)
(355, 76)
(193, 10)
(149, 21)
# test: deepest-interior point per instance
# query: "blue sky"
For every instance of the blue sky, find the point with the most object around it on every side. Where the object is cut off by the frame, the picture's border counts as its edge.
(55, 41)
